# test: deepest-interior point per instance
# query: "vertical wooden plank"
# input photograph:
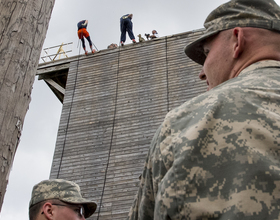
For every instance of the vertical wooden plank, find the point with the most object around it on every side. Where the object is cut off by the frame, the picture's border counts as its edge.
(22, 32)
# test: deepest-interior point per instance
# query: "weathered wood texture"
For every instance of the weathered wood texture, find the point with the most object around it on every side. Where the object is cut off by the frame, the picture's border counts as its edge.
(114, 102)
(23, 26)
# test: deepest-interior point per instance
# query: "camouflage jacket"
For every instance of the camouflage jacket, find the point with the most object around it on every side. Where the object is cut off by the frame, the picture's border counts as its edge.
(217, 156)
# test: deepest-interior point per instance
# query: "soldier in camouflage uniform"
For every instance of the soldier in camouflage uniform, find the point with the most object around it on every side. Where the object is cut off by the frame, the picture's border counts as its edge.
(59, 199)
(217, 156)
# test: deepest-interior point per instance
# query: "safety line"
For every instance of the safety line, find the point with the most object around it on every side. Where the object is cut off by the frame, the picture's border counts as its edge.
(68, 120)
(112, 134)
(167, 83)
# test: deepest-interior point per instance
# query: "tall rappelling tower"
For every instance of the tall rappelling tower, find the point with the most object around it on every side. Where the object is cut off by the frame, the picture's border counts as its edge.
(113, 102)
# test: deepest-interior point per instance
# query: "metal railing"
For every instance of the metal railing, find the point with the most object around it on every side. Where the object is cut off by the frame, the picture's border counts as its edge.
(50, 55)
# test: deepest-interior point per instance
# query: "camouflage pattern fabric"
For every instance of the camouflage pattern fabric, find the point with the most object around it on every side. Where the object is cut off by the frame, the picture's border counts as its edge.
(66, 191)
(217, 156)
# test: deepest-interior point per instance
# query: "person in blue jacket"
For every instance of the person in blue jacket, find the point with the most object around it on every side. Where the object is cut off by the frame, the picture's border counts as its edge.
(126, 26)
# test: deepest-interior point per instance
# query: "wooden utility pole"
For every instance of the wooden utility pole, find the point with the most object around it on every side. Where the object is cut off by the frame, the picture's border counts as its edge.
(23, 27)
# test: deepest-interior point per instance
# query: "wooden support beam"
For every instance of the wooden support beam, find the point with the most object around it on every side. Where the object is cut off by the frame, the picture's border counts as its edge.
(55, 85)
(50, 69)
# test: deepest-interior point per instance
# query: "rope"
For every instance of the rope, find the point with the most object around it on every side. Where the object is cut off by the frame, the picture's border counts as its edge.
(167, 84)
(94, 45)
(69, 111)
(114, 119)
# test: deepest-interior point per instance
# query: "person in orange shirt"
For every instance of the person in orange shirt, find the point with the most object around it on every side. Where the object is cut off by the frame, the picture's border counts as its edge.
(82, 32)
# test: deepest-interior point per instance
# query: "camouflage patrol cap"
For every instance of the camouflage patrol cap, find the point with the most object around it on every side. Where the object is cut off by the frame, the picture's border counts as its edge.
(263, 14)
(63, 190)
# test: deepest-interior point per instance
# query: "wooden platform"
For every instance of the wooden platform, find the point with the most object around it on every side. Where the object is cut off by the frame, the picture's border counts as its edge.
(113, 102)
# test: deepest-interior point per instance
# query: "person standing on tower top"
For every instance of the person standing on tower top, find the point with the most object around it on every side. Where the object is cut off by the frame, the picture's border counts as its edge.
(126, 26)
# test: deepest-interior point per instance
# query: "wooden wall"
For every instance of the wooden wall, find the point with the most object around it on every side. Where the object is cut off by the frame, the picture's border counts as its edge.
(114, 101)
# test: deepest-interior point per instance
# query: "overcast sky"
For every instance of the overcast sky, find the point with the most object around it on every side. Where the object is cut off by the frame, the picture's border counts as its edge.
(35, 152)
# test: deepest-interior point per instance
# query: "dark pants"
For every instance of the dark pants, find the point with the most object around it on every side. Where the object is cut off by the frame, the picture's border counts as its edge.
(89, 41)
(126, 26)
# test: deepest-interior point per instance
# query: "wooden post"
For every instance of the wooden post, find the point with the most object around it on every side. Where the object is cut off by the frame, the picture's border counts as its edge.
(23, 27)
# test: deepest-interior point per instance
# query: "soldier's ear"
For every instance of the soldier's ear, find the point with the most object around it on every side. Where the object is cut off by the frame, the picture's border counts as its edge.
(48, 211)
(238, 42)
